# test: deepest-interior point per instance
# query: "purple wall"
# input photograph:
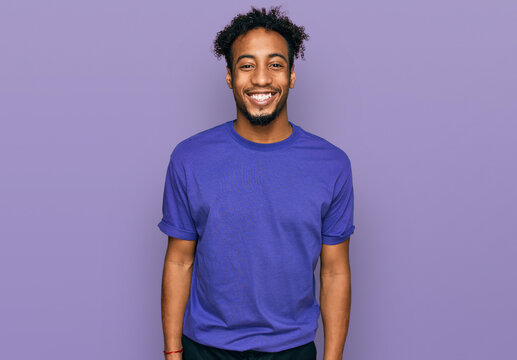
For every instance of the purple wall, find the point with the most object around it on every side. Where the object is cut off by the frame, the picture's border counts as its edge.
(421, 95)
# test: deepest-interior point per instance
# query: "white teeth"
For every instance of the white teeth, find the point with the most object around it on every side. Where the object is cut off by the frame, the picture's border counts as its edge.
(261, 97)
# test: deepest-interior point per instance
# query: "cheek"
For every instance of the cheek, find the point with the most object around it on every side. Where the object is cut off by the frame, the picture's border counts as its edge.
(239, 85)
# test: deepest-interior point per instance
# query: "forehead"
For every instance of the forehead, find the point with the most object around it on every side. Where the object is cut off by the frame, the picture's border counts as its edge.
(259, 41)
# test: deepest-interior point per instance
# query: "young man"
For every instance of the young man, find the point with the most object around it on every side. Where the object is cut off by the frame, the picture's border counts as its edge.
(249, 206)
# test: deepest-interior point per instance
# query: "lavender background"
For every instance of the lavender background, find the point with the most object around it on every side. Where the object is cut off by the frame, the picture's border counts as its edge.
(421, 95)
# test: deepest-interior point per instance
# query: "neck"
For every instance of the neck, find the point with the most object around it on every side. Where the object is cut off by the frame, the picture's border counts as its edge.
(277, 130)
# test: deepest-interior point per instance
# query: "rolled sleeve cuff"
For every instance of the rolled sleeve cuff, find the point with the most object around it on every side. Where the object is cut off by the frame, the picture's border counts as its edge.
(336, 239)
(173, 231)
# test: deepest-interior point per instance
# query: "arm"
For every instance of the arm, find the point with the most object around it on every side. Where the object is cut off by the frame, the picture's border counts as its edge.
(335, 297)
(177, 276)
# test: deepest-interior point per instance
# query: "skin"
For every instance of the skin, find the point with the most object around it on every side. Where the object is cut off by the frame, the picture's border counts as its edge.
(335, 297)
(260, 63)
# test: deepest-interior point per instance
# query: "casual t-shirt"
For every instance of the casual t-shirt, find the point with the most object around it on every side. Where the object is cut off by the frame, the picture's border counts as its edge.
(260, 214)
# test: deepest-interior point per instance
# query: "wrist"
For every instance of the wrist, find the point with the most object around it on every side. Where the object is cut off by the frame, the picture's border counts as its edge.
(168, 352)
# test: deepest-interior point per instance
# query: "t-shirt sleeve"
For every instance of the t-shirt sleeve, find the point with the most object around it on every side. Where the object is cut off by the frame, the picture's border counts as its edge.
(177, 219)
(338, 222)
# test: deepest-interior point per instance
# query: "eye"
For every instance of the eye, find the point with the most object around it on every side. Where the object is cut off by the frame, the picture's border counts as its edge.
(244, 66)
(278, 65)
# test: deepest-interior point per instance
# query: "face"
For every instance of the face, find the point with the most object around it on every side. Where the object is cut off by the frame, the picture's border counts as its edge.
(260, 79)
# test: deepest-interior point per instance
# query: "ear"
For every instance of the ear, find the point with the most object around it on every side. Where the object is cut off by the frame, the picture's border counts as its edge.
(292, 78)
(228, 77)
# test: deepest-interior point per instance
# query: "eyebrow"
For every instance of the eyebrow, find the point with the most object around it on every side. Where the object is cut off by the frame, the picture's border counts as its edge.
(253, 57)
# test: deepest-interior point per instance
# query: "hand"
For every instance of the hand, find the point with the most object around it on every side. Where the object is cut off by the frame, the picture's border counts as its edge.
(175, 356)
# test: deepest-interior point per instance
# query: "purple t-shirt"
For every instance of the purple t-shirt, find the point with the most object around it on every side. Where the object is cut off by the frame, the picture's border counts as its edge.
(260, 214)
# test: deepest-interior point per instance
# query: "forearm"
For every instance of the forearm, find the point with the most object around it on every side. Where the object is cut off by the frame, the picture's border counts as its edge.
(175, 293)
(335, 301)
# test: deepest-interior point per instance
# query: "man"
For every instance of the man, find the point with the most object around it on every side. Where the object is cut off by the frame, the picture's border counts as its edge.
(249, 206)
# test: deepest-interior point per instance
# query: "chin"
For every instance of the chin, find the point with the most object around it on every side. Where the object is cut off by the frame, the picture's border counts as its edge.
(258, 118)
(261, 119)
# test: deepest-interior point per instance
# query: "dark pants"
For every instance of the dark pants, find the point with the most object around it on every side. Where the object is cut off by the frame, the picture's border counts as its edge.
(195, 351)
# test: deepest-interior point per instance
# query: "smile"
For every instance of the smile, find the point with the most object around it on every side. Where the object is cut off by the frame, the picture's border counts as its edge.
(262, 99)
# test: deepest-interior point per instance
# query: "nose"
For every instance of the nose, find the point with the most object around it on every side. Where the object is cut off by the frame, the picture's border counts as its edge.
(261, 76)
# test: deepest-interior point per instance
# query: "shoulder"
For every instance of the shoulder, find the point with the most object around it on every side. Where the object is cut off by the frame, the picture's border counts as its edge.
(325, 151)
(197, 144)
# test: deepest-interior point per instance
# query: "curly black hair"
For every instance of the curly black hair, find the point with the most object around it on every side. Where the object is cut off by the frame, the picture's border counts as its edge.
(273, 20)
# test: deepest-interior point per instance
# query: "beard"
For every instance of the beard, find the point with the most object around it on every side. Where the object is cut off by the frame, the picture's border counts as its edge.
(261, 120)
(266, 119)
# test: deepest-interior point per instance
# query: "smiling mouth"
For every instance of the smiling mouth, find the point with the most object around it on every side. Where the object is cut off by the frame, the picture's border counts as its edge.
(262, 99)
